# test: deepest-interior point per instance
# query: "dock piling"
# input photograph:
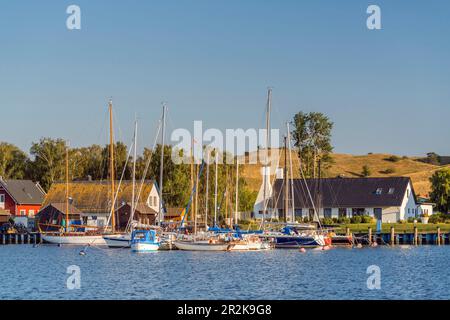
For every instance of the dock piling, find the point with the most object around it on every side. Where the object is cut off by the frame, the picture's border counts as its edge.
(416, 236)
(392, 236)
(438, 238)
(370, 235)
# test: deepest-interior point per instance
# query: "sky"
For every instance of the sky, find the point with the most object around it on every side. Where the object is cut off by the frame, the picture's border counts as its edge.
(387, 91)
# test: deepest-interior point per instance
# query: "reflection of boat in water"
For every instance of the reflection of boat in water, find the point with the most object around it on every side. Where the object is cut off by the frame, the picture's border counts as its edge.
(144, 241)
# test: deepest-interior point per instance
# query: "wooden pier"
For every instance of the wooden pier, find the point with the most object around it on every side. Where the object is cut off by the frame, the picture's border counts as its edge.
(405, 238)
(25, 238)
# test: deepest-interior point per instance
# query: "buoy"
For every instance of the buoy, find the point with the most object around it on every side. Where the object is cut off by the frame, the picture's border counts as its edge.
(359, 245)
(374, 244)
(82, 253)
(302, 250)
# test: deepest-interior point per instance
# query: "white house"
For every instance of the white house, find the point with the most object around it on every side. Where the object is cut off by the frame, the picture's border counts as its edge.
(389, 199)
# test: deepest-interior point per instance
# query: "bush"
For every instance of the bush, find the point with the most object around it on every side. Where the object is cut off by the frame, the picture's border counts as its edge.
(393, 159)
(327, 221)
(388, 171)
(305, 219)
(366, 219)
(411, 219)
(344, 220)
(436, 218)
(356, 219)
(335, 220)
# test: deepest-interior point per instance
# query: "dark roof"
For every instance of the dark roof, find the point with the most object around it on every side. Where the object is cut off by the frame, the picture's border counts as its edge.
(61, 207)
(24, 191)
(141, 208)
(345, 192)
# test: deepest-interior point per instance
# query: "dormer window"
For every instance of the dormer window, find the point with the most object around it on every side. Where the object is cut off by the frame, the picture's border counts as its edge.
(391, 190)
(379, 191)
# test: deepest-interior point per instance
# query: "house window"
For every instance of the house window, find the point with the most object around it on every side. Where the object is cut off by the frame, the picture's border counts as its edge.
(298, 213)
(342, 212)
(31, 213)
(23, 212)
(2, 200)
(379, 191)
(311, 214)
(391, 190)
(327, 212)
(358, 211)
(155, 201)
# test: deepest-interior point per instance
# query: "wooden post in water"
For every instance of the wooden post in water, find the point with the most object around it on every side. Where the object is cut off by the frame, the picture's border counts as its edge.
(370, 235)
(438, 240)
(416, 236)
(392, 236)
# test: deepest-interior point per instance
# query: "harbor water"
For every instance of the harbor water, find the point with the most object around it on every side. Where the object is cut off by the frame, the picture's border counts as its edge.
(406, 272)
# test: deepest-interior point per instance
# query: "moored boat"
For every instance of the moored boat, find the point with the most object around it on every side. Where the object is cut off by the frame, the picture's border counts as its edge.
(121, 240)
(80, 239)
(202, 245)
(144, 241)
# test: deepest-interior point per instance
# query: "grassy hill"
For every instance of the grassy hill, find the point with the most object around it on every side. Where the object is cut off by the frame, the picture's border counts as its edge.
(380, 165)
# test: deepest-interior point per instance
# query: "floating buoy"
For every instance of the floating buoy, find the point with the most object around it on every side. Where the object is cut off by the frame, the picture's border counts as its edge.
(82, 253)
(374, 244)
(302, 250)
(359, 246)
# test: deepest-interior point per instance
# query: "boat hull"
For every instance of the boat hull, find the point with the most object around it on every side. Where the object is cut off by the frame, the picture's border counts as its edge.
(118, 241)
(202, 246)
(80, 240)
(144, 247)
(296, 242)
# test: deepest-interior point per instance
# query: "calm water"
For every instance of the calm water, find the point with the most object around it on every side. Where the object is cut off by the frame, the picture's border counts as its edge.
(406, 273)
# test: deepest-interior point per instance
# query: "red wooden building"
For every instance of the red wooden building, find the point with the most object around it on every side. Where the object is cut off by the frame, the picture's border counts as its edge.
(20, 198)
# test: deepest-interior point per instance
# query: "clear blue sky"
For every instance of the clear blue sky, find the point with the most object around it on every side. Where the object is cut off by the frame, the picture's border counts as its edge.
(386, 91)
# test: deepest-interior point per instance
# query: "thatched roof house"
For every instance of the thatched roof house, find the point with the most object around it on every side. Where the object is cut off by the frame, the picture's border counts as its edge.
(94, 197)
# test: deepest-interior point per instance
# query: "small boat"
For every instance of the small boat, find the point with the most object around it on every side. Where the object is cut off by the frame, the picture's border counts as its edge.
(121, 240)
(202, 245)
(291, 238)
(249, 243)
(144, 241)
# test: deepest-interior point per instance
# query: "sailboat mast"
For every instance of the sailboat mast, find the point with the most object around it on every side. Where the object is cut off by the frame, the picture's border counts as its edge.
(291, 172)
(111, 151)
(215, 187)
(265, 171)
(192, 178)
(207, 189)
(67, 189)
(196, 200)
(237, 193)
(161, 166)
(286, 183)
(133, 204)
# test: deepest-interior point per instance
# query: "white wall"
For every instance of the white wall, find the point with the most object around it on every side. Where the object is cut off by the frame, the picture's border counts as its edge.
(409, 206)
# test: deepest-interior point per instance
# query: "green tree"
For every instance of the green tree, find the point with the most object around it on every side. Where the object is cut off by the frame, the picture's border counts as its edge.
(13, 161)
(49, 159)
(312, 137)
(366, 172)
(440, 189)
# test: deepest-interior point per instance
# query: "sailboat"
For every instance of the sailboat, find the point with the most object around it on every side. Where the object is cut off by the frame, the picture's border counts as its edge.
(205, 241)
(292, 236)
(72, 237)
